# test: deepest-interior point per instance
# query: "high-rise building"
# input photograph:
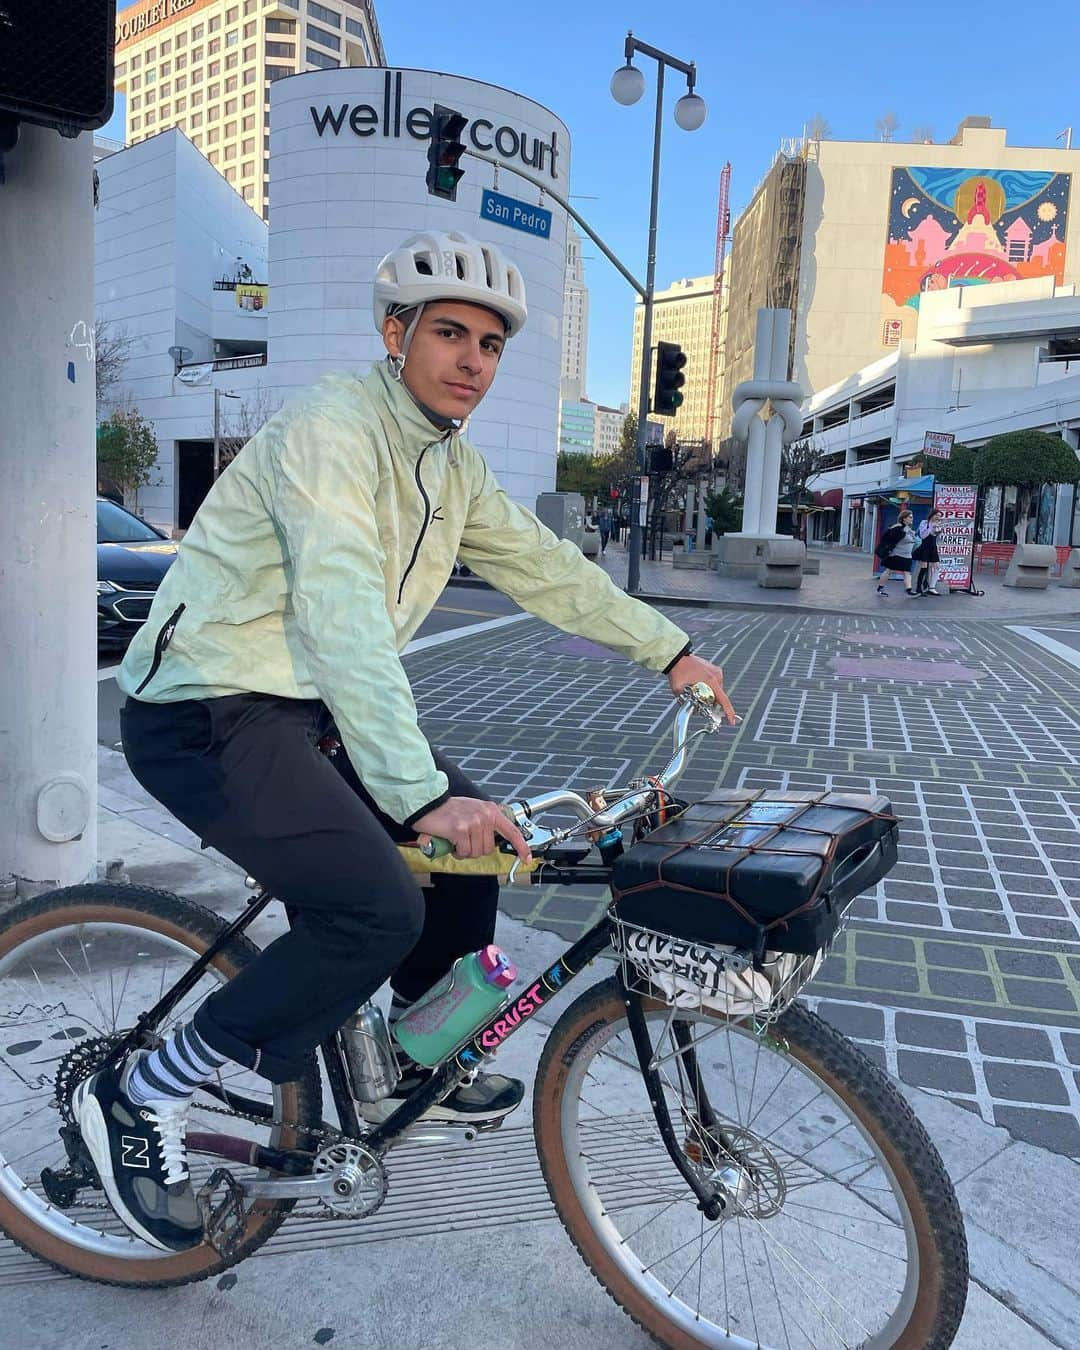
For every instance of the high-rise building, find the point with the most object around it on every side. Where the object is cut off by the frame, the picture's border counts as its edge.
(575, 339)
(850, 234)
(683, 314)
(608, 429)
(206, 66)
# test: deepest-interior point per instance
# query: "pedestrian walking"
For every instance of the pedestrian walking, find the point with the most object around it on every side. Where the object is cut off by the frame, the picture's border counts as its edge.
(894, 552)
(927, 556)
(603, 521)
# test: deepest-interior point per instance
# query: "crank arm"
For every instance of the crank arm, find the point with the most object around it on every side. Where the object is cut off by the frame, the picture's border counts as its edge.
(289, 1188)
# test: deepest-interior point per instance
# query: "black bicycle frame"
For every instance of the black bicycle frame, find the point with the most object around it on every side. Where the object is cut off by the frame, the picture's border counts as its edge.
(485, 1041)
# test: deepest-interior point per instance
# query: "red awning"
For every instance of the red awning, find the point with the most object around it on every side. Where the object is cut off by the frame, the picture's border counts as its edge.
(833, 497)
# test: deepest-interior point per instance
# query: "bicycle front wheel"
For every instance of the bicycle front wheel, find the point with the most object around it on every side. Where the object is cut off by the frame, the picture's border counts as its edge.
(841, 1226)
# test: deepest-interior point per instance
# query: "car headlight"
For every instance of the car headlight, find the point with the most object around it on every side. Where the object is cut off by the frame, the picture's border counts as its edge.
(106, 588)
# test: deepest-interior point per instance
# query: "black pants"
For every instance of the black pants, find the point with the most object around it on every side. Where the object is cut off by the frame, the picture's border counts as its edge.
(245, 774)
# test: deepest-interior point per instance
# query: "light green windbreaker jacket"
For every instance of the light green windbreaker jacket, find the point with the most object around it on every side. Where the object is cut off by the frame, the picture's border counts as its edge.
(323, 547)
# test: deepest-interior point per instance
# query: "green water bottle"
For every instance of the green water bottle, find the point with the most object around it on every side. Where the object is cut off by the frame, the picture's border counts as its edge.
(458, 1005)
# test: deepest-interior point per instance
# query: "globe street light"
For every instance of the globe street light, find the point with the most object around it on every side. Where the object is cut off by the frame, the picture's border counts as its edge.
(627, 86)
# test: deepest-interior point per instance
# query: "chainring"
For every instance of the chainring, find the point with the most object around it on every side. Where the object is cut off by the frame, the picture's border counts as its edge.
(78, 1064)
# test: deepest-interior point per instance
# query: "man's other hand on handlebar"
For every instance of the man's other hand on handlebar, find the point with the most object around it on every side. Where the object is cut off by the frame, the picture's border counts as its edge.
(471, 826)
(690, 670)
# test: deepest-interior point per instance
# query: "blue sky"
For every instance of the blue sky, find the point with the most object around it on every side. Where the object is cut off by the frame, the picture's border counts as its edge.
(764, 71)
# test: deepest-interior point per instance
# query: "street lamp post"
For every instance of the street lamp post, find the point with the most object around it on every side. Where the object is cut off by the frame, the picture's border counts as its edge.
(219, 394)
(627, 86)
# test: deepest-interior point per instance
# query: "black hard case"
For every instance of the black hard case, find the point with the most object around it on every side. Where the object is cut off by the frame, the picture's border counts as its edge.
(761, 871)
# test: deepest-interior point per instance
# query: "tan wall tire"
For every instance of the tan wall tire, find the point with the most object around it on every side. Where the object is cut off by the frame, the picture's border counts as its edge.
(868, 1093)
(299, 1102)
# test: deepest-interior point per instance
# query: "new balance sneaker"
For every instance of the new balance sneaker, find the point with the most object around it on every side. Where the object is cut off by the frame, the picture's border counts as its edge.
(141, 1159)
(487, 1096)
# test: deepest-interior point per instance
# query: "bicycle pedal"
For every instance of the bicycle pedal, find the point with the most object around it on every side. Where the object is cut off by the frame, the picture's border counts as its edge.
(487, 1126)
(224, 1221)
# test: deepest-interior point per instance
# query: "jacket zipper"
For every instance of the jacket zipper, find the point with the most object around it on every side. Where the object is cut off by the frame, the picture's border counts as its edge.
(423, 527)
(164, 637)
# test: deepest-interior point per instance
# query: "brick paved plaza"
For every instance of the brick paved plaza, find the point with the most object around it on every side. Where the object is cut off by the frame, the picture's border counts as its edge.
(961, 971)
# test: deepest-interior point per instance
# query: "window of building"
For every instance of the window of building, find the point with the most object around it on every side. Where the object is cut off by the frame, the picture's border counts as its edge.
(249, 75)
(136, 82)
(213, 46)
(248, 148)
(136, 123)
(121, 69)
(321, 35)
(266, 144)
(166, 46)
(181, 40)
(250, 52)
(232, 60)
(231, 84)
(293, 4)
(250, 29)
(136, 59)
(214, 68)
(324, 15)
(230, 130)
(165, 90)
(213, 113)
(180, 83)
(250, 6)
(231, 39)
(230, 152)
(151, 75)
(281, 49)
(180, 105)
(321, 59)
(249, 192)
(231, 15)
(196, 54)
(197, 32)
(248, 123)
(248, 170)
(165, 110)
(135, 103)
(151, 116)
(165, 69)
(196, 76)
(278, 72)
(213, 135)
(151, 54)
(196, 119)
(196, 97)
(230, 107)
(213, 156)
(214, 25)
(181, 61)
(249, 100)
(281, 25)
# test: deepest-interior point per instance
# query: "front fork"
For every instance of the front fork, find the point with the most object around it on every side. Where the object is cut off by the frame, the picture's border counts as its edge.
(711, 1137)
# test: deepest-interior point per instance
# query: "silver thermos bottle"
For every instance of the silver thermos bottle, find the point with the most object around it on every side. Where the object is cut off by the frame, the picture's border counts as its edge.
(372, 1064)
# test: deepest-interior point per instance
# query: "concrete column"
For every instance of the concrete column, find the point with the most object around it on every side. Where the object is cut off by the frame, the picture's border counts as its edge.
(755, 445)
(777, 356)
(48, 644)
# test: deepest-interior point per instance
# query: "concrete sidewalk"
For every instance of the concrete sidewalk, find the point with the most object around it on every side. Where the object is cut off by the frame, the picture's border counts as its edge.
(845, 586)
(467, 1240)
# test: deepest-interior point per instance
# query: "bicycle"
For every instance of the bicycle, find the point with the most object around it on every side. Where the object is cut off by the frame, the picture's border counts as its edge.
(732, 1170)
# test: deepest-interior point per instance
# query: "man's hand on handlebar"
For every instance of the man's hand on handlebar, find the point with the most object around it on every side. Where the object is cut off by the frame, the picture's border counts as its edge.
(690, 670)
(471, 826)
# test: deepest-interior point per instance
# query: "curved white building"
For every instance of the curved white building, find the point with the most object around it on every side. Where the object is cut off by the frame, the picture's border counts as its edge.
(348, 158)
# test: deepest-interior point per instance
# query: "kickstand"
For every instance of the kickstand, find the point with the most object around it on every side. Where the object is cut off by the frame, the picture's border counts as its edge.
(225, 1221)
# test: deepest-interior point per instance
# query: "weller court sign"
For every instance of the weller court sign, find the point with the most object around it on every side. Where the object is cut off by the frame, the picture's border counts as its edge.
(390, 119)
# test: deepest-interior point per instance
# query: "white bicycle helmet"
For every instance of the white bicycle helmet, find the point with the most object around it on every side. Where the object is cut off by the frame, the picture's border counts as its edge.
(449, 266)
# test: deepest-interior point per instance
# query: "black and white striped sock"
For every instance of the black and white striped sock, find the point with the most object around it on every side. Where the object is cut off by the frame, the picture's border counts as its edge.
(175, 1069)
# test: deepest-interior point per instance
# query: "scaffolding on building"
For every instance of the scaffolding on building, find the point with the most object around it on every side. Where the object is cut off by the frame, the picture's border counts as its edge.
(723, 233)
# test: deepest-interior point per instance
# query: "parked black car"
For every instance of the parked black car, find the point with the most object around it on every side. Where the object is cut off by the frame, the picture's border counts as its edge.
(132, 557)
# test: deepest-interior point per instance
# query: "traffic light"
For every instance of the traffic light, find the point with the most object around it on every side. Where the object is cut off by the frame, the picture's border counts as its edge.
(670, 359)
(444, 152)
(57, 74)
(661, 459)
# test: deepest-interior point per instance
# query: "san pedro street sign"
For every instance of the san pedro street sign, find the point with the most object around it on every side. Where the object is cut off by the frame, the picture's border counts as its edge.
(514, 214)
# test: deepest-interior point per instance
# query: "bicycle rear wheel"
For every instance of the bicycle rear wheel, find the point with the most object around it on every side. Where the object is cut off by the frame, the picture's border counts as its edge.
(77, 967)
(842, 1228)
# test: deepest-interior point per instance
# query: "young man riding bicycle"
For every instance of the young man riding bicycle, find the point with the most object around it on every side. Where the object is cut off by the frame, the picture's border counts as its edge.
(306, 571)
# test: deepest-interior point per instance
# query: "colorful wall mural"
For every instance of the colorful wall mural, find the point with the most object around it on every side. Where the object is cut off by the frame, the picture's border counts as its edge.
(963, 227)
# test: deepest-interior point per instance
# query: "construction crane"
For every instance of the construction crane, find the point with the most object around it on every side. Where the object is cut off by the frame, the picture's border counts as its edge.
(723, 233)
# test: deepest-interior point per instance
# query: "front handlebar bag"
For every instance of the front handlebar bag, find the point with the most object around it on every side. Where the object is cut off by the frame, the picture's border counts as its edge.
(758, 871)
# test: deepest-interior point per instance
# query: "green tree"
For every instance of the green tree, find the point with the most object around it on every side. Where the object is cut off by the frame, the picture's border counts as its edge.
(724, 509)
(800, 462)
(958, 468)
(1027, 459)
(126, 450)
(579, 473)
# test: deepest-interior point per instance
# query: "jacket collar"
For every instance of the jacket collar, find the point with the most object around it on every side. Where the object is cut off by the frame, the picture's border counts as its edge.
(405, 425)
